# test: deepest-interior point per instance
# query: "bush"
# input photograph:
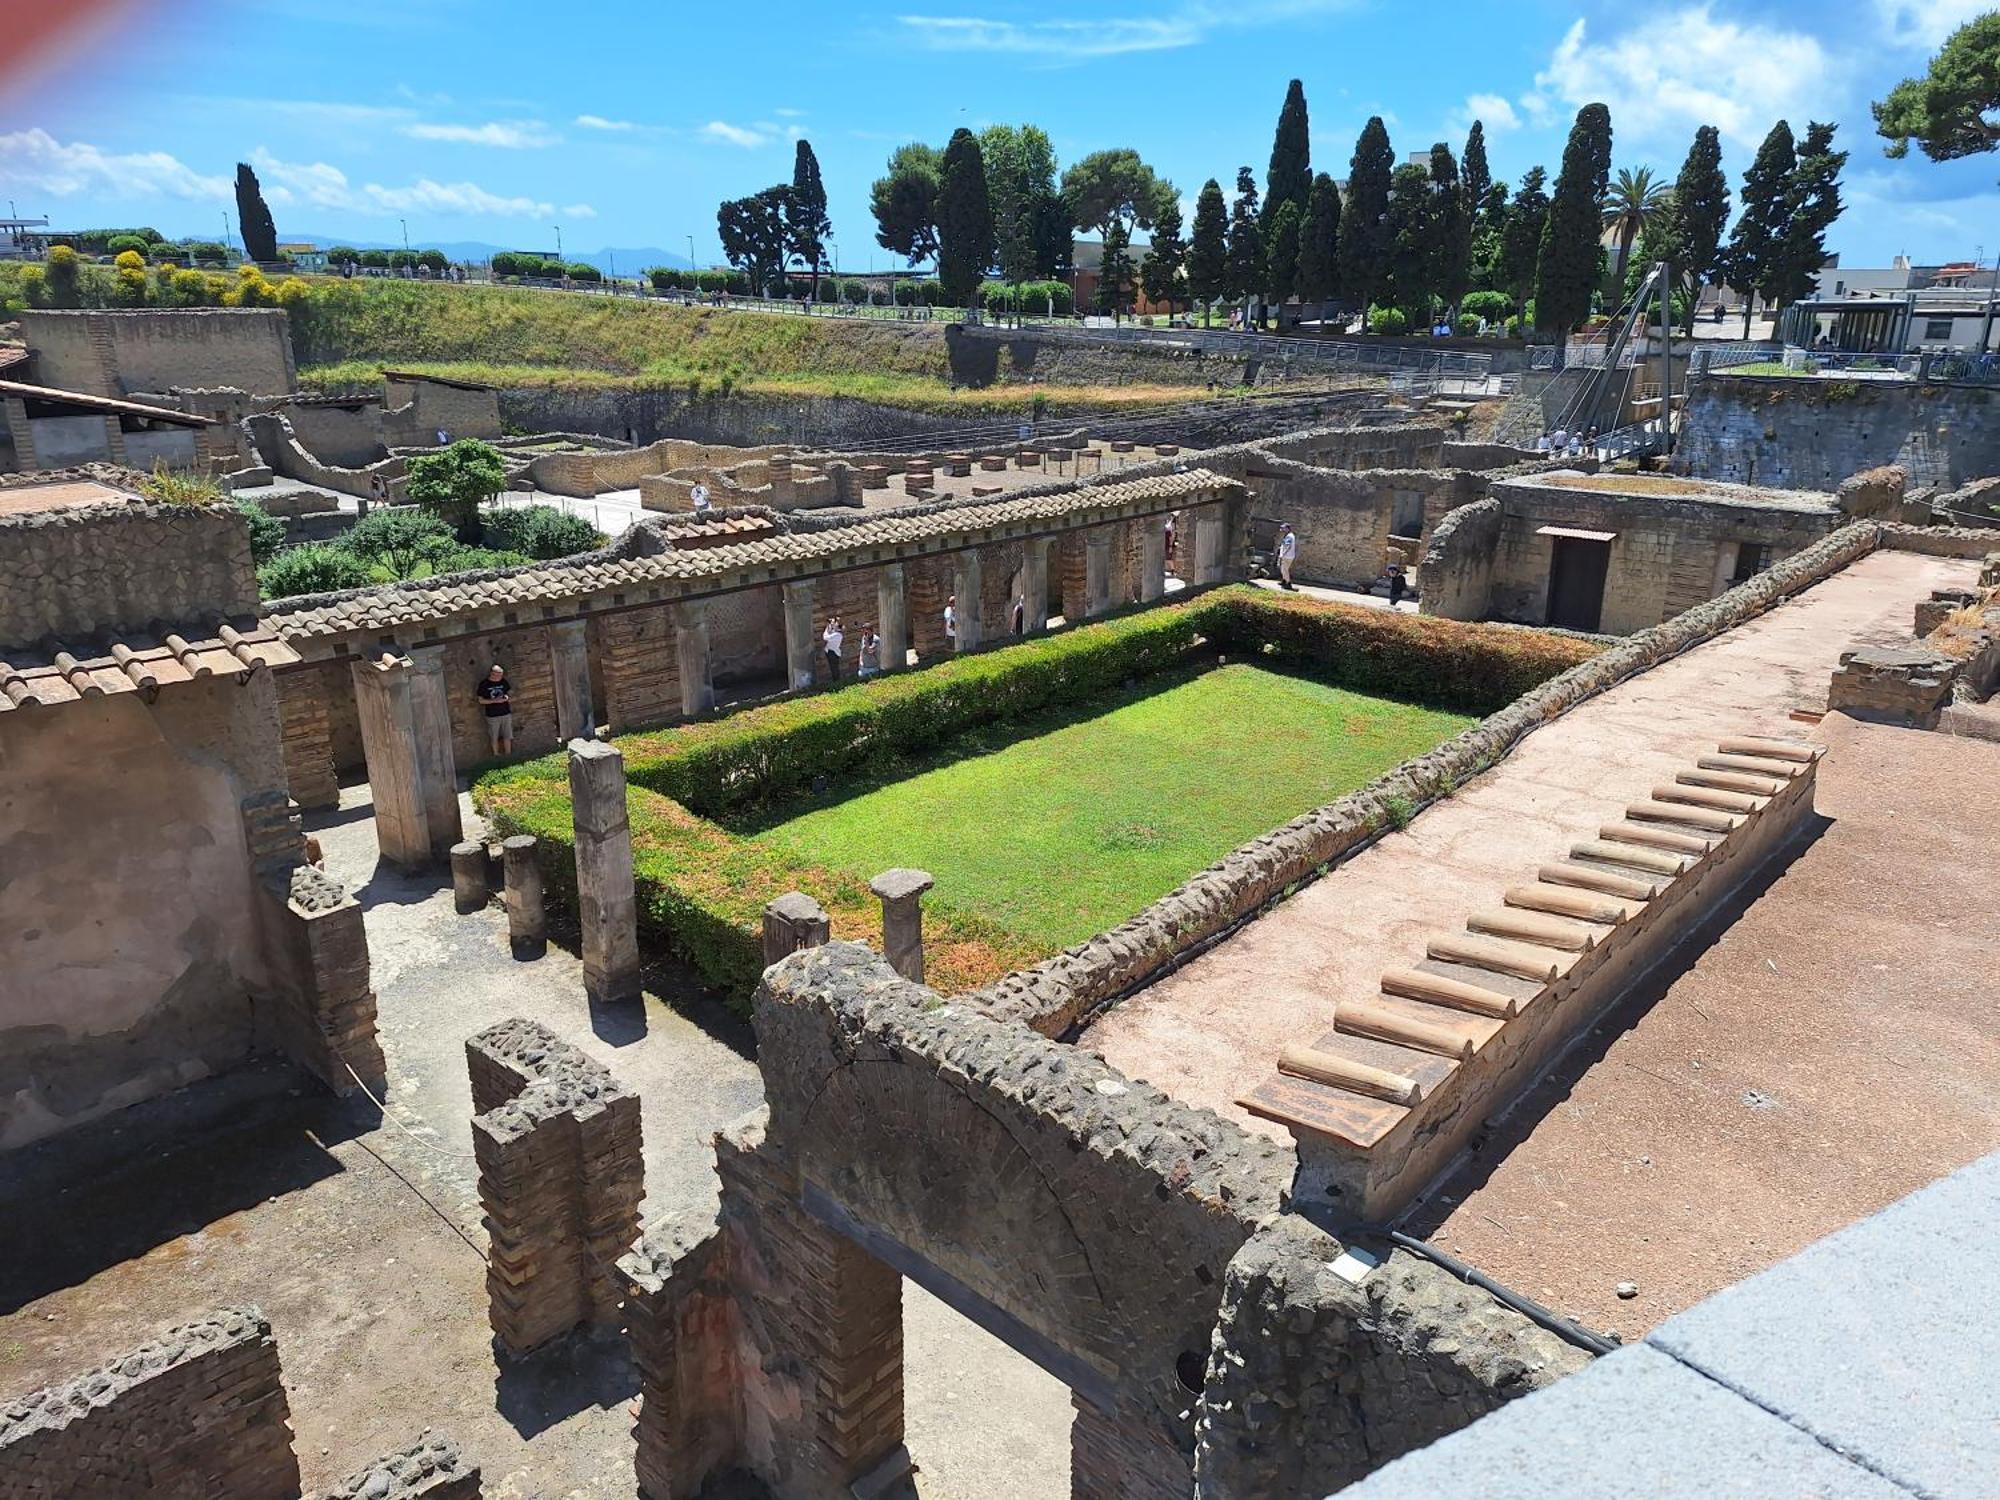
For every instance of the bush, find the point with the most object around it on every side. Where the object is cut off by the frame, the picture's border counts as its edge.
(432, 260)
(267, 532)
(403, 541)
(166, 486)
(378, 260)
(343, 255)
(1034, 297)
(122, 244)
(581, 270)
(65, 277)
(206, 253)
(453, 482)
(1492, 306)
(1390, 320)
(459, 558)
(1465, 326)
(128, 280)
(314, 568)
(540, 532)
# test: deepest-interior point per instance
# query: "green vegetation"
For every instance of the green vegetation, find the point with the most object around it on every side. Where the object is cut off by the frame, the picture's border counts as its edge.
(1945, 111)
(453, 482)
(389, 545)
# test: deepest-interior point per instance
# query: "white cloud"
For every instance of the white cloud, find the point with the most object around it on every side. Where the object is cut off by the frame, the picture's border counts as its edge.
(321, 185)
(512, 135)
(35, 159)
(598, 122)
(1679, 69)
(1926, 23)
(1490, 109)
(787, 113)
(736, 135)
(1079, 40)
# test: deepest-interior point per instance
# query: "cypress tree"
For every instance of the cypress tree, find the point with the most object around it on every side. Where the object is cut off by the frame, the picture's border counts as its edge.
(1114, 277)
(1812, 201)
(1568, 271)
(1161, 275)
(1364, 217)
(253, 218)
(1289, 179)
(1208, 252)
(1246, 243)
(1412, 261)
(1521, 239)
(1281, 262)
(1319, 243)
(1476, 176)
(965, 220)
(806, 221)
(1451, 228)
(1755, 242)
(1701, 208)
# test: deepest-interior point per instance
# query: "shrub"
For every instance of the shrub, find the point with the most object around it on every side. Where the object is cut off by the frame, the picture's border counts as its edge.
(378, 260)
(456, 557)
(128, 281)
(402, 260)
(251, 289)
(582, 270)
(207, 253)
(267, 532)
(343, 255)
(1390, 320)
(314, 568)
(124, 244)
(34, 284)
(403, 541)
(1490, 305)
(166, 486)
(540, 532)
(1464, 326)
(432, 260)
(65, 277)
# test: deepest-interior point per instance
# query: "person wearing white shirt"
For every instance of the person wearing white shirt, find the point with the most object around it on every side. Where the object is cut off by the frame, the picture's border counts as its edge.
(951, 621)
(1288, 551)
(833, 640)
(870, 660)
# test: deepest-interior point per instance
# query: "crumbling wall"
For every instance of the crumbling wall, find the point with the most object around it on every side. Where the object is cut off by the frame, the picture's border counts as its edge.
(155, 349)
(1455, 578)
(431, 1468)
(199, 1414)
(1345, 519)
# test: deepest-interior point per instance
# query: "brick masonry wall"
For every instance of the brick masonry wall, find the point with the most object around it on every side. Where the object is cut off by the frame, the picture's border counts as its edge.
(1121, 1456)
(198, 1414)
(307, 728)
(634, 655)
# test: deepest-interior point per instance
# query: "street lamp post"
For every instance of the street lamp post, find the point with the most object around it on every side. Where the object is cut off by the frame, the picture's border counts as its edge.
(558, 229)
(690, 254)
(406, 232)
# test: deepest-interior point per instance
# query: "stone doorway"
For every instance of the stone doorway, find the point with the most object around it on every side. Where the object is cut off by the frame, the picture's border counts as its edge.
(1578, 568)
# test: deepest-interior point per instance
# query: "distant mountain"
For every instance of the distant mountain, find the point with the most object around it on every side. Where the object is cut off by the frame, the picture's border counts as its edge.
(625, 260)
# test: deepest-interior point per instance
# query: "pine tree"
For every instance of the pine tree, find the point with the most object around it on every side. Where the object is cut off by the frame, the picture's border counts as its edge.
(1364, 217)
(1281, 258)
(253, 218)
(1757, 240)
(1521, 239)
(1114, 277)
(1701, 208)
(965, 220)
(1812, 201)
(1208, 251)
(1246, 243)
(807, 225)
(1289, 179)
(1568, 269)
(1452, 230)
(904, 202)
(1161, 275)
(1319, 243)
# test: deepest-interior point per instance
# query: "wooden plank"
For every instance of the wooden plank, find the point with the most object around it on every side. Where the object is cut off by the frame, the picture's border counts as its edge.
(1352, 1119)
(1652, 861)
(1709, 797)
(1798, 752)
(1566, 901)
(1428, 1028)
(1609, 882)
(1654, 836)
(1731, 781)
(1681, 812)
(1527, 960)
(1318, 1066)
(1755, 765)
(1534, 927)
(1459, 994)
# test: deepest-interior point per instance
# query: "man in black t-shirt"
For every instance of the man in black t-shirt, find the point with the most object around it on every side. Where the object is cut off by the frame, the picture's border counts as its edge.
(497, 699)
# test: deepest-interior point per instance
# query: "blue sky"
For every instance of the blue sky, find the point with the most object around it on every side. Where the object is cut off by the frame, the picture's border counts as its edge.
(493, 120)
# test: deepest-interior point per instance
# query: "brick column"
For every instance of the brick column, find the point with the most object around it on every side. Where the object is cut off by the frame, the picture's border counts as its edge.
(326, 1019)
(389, 742)
(965, 584)
(527, 918)
(430, 711)
(892, 617)
(801, 641)
(1035, 583)
(306, 730)
(569, 661)
(1152, 558)
(691, 655)
(1097, 596)
(902, 893)
(1123, 1456)
(607, 903)
(792, 922)
(16, 413)
(114, 440)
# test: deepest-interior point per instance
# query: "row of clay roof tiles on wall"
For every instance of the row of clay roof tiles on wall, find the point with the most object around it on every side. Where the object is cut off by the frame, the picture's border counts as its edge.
(400, 606)
(141, 662)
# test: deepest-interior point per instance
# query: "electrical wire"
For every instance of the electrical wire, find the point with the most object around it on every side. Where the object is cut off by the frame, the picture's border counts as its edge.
(1563, 1328)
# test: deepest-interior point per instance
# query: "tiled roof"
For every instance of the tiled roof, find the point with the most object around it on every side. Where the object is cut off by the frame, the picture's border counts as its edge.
(400, 606)
(66, 671)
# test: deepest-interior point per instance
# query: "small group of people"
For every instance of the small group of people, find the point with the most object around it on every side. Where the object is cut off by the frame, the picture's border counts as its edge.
(1568, 444)
(867, 656)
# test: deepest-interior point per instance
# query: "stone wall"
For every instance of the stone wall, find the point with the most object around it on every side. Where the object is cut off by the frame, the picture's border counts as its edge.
(1345, 519)
(146, 349)
(1811, 434)
(645, 413)
(415, 409)
(344, 433)
(431, 1468)
(1455, 578)
(200, 1414)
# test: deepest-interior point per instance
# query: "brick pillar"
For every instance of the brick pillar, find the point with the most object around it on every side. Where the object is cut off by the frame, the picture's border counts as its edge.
(792, 922)
(892, 617)
(1124, 1456)
(395, 774)
(430, 712)
(114, 440)
(527, 917)
(561, 1174)
(306, 732)
(691, 655)
(802, 647)
(1073, 579)
(569, 661)
(1035, 583)
(965, 584)
(926, 613)
(1097, 596)
(902, 893)
(325, 1019)
(16, 413)
(607, 903)
(1152, 558)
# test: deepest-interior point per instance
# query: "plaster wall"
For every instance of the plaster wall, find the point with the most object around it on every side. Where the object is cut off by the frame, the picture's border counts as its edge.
(146, 349)
(62, 441)
(169, 447)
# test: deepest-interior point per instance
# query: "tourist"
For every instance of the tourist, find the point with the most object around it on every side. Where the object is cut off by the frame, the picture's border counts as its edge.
(869, 662)
(444, 437)
(1170, 538)
(1398, 583)
(497, 698)
(1020, 615)
(1542, 443)
(1288, 552)
(832, 640)
(378, 490)
(951, 622)
(1560, 442)
(699, 494)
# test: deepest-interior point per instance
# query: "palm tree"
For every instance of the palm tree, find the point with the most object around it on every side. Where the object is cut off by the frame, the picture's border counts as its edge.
(1630, 204)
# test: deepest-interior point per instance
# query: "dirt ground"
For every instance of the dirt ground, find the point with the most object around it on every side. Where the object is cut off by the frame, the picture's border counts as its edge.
(360, 1237)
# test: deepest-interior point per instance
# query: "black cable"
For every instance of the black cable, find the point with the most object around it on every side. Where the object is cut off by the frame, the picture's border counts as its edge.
(1563, 1328)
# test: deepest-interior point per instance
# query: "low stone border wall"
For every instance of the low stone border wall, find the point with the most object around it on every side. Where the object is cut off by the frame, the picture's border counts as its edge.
(1055, 995)
(429, 1469)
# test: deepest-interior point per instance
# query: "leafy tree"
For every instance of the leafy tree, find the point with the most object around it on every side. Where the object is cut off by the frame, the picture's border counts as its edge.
(1413, 226)
(1116, 184)
(1281, 267)
(118, 244)
(1319, 242)
(1812, 204)
(453, 481)
(905, 203)
(1364, 216)
(432, 260)
(1700, 209)
(1568, 271)
(1245, 276)
(1756, 244)
(1945, 111)
(538, 531)
(1208, 251)
(1020, 173)
(253, 218)
(1114, 276)
(806, 223)
(1490, 305)
(1632, 202)
(400, 540)
(343, 255)
(755, 237)
(1289, 179)
(1166, 259)
(965, 219)
(65, 277)
(1521, 237)
(314, 568)
(1451, 243)
(378, 260)
(267, 532)
(1476, 177)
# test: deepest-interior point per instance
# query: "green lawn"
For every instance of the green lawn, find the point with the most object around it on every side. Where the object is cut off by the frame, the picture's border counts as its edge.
(1069, 831)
